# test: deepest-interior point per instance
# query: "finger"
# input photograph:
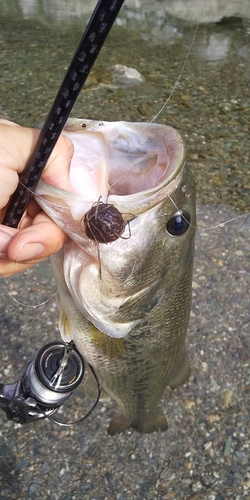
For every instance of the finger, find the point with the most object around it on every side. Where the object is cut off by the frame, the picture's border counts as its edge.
(17, 144)
(30, 213)
(57, 169)
(7, 122)
(20, 250)
(36, 242)
(8, 268)
(10, 185)
(27, 219)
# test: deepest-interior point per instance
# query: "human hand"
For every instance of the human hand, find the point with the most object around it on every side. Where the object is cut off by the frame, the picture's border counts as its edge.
(36, 237)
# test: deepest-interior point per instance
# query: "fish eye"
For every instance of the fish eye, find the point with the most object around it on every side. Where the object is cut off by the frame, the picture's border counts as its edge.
(179, 223)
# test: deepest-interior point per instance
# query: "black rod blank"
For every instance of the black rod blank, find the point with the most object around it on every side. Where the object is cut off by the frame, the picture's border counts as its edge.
(90, 45)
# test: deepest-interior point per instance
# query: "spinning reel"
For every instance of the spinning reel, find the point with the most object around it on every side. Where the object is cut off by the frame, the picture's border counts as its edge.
(48, 381)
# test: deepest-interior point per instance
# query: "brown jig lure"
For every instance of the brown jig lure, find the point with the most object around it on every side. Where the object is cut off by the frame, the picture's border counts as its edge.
(104, 223)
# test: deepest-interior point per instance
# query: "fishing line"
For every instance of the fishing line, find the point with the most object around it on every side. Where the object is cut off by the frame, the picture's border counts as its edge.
(28, 305)
(183, 66)
(70, 424)
(220, 224)
(62, 205)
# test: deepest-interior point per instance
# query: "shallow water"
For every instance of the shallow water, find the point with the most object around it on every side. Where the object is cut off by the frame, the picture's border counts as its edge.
(205, 452)
(210, 106)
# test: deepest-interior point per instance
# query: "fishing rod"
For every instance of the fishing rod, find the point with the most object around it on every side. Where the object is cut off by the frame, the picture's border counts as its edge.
(90, 45)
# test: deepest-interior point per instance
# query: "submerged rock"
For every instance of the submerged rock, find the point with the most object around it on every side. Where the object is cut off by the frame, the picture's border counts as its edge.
(125, 76)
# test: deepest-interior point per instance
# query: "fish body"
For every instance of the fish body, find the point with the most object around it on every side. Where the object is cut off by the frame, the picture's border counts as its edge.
(126, 303)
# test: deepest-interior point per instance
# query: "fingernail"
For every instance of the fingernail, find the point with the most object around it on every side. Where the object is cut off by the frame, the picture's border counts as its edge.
(4, 241)
(30, 251)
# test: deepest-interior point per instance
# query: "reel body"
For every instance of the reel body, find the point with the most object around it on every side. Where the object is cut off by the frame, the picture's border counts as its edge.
(49, 379)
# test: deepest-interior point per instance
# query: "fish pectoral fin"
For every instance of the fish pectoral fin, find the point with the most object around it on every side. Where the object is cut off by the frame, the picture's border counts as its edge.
(135, 299)
(110, 346)
(65, 326)
(152, 423)
(181, 372)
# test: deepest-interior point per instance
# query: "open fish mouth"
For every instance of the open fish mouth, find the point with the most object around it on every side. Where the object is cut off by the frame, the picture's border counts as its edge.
(132, 165)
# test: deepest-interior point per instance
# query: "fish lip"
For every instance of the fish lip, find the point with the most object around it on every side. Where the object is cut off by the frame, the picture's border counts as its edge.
(147, 199)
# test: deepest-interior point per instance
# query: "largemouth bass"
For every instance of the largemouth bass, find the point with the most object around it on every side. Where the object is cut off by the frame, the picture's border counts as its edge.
(126, 303)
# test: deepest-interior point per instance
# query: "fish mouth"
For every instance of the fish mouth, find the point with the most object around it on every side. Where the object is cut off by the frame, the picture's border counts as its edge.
(133, 165)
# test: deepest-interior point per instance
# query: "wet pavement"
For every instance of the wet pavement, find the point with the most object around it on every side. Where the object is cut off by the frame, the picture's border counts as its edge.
(205, 452)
